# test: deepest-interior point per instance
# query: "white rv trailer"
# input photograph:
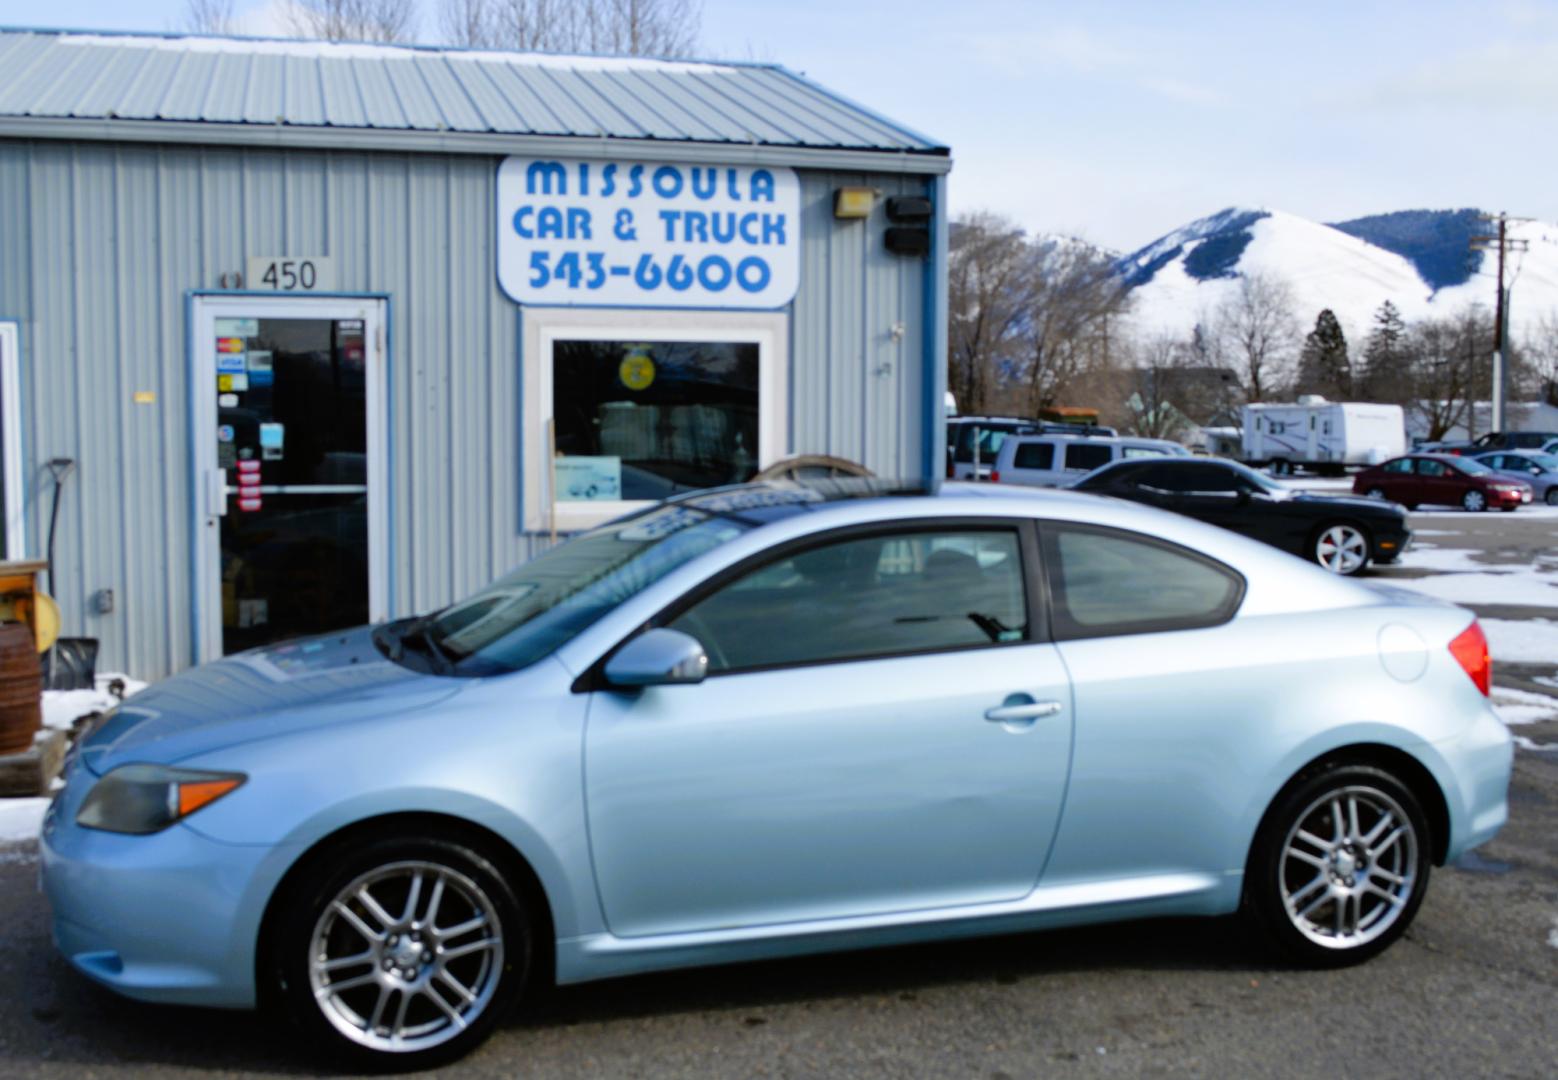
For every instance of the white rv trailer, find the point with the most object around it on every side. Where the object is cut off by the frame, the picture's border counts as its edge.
(1322, 435)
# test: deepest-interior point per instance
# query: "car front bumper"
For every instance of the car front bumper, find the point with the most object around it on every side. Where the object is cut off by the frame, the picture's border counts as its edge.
(169, 917)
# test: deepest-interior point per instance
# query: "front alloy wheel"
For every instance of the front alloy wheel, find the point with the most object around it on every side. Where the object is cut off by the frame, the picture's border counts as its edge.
(1341, 865)
(1342, 549)
(1475, 501)
(404, 953)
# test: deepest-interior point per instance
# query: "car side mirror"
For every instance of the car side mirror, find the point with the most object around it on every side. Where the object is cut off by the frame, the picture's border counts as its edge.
(658, 657)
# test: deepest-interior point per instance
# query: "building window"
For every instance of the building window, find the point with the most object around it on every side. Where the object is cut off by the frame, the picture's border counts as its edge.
(629, 407)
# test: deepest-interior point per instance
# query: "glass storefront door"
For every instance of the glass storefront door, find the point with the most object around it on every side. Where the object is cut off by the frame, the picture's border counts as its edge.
(288, 397)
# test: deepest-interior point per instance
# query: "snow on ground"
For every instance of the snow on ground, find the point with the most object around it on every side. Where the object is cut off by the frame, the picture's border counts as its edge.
(1522, 641)
(20, 819)
(1461, 578)
(62, 708)
(1517, 707)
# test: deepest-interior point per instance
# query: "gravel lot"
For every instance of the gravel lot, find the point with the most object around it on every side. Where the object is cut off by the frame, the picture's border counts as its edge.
(1471, 990)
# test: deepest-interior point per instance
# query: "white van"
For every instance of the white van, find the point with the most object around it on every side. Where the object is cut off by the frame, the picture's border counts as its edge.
(1054, 460)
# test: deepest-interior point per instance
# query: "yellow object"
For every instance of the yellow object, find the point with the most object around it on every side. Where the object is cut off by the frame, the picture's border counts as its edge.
(45, 621)
(637, 371)
(145, 397)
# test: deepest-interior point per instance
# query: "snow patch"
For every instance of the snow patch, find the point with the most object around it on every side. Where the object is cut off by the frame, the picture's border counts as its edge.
(21, 819)
(1518, 585)
(1522, 641)
(62, 708)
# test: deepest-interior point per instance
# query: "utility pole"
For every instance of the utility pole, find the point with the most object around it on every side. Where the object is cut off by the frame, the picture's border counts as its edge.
(1504, 244)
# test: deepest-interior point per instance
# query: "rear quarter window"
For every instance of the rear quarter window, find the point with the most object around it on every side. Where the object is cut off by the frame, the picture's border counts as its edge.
(1107, 582)
(1034, 456)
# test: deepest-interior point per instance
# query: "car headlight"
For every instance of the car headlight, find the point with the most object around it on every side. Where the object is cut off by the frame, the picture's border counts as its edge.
(142, 799)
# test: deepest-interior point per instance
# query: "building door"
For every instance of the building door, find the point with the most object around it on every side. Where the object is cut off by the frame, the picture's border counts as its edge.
(289, 449)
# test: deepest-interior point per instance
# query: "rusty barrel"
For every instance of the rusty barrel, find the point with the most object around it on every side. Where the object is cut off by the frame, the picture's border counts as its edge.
(21, 688)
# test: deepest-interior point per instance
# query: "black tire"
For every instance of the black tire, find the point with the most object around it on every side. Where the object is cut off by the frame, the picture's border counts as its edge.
(1274, 874)
(308, 903)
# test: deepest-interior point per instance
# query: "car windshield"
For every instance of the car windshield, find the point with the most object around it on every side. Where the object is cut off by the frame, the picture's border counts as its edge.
(1472, 468)
(549, 600)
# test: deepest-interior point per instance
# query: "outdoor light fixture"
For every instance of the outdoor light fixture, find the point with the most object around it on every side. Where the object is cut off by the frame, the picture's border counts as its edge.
(853, 202)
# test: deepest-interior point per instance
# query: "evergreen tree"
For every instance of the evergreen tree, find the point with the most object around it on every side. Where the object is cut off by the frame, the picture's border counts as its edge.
(1385, 355)
(1323, 365)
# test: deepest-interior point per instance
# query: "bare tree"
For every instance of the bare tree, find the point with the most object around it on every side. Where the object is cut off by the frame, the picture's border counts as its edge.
(353, 20)
(614, 27)
(1077, 299)
(209, 16)
(989, 287)
(1449, 360)
(1541, 355)
(1256, 334)
(1152, 409)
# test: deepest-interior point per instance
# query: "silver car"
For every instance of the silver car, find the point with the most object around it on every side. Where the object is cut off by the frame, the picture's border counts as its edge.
(773, 720)
(1536, 468)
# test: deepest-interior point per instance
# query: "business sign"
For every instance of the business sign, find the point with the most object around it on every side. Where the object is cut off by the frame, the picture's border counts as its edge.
(639, 234)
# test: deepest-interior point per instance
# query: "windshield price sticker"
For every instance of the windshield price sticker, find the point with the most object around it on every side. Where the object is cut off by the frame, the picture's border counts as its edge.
(638, 234)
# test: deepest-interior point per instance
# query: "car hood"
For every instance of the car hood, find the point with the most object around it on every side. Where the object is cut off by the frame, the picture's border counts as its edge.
(332, 679)
(1361, 502)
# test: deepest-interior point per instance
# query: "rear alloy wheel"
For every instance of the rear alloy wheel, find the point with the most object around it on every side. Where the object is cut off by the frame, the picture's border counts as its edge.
(1475, 501)
(403, 954)
(1341, 548)
(1340, 866)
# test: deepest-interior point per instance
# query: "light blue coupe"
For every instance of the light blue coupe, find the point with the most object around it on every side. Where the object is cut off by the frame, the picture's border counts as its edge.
(770, 720)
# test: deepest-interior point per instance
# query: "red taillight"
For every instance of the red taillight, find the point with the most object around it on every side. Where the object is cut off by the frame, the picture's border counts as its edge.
(952, 472)
(995, 477)
(1470, 649)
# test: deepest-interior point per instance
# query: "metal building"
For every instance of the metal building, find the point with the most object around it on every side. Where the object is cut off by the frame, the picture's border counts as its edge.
(311, 320)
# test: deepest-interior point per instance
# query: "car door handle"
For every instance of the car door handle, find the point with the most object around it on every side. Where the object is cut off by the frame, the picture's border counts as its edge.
(1033, 710)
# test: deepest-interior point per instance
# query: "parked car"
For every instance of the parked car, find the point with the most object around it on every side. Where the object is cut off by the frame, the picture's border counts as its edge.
(772, 720)
(1529, 466)
(1055, 460)
(1339, 532)
(974, 441)
(1493, 440)
(1441, 480)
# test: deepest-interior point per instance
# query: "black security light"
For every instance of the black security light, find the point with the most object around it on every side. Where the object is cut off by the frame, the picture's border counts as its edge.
(911, 234)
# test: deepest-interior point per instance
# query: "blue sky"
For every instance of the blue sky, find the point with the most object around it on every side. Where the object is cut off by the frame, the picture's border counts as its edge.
(1119, 121)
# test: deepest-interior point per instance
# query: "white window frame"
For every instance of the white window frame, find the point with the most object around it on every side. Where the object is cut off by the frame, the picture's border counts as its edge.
(210, 484)
(544, 327)
(15, 508)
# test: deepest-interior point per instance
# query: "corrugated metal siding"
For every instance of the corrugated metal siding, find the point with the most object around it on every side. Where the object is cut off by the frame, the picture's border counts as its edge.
(254, 82)
(99, 244)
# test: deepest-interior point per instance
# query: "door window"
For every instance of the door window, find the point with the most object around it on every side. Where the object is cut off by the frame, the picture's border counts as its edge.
(1034, 456)
(1427, 467)
(1087, 456)
(1400, 465)
(867, 596)
(291, 397)
(1105, 582)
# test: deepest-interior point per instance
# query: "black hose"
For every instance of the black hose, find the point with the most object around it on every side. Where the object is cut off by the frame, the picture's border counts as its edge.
(60, 468)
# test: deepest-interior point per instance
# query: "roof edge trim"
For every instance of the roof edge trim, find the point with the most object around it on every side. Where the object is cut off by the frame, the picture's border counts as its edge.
(291, 136)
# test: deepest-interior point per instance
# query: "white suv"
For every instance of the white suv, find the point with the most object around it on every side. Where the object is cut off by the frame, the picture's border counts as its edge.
(1053, 460)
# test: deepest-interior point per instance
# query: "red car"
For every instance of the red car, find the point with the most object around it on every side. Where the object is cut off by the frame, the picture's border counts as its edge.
(1443, 480)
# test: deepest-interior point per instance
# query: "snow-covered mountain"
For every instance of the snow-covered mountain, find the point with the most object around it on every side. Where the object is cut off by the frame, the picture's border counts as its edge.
(1417, 259)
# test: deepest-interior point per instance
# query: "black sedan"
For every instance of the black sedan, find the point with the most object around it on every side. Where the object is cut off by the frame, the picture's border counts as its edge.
(1342, 533)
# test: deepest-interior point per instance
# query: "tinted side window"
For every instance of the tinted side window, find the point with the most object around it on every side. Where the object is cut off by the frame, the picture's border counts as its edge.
(1087, 456)
(1400, 465)
(1034, 456)
(1104, 582)
(1425, 467)
(877, 595)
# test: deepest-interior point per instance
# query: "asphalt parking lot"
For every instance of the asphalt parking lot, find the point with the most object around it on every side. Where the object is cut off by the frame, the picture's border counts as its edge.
(1470, 991)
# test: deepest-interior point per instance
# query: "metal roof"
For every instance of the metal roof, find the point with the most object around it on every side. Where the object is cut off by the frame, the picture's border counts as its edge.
(230, 89)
